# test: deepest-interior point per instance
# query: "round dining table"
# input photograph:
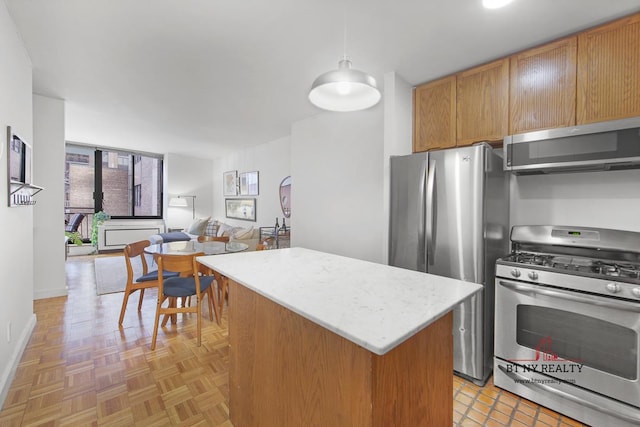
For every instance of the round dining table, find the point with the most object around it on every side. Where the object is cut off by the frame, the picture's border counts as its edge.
(192, 247)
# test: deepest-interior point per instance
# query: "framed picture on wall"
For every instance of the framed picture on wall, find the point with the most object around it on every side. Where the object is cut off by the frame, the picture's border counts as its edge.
(240, 209)
(249, 183)
(230, 183)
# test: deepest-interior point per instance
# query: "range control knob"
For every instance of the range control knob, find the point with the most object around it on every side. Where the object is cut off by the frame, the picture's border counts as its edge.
(533, 275)
(515, 272)
(614, 288)
(636, 292)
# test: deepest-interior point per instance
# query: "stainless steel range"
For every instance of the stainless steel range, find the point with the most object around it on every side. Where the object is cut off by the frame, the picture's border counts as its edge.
(568, 322)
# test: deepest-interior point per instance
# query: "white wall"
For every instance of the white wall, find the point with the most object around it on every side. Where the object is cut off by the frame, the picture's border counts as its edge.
(48, 213)
(16, 224)
(191, 176)
(337, 170)
(608, 199)
(273, 163)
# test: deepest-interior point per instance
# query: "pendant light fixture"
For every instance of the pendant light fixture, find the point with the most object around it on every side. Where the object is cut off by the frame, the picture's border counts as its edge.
(344, 89)
(495, 4)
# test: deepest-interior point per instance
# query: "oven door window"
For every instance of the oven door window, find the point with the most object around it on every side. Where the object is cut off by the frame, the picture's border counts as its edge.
(596, 343)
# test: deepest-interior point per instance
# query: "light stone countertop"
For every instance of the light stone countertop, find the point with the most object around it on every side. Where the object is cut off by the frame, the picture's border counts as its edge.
(373, 305)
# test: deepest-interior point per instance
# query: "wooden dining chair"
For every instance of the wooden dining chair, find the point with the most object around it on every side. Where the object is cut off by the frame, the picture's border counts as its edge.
(218, 290)
(134, 253)
(223, 285)
(192, 281)
(222, 291)
(203, 239)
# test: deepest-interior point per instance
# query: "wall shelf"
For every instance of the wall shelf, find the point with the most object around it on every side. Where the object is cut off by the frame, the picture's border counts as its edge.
(20, 191)
(21, 194)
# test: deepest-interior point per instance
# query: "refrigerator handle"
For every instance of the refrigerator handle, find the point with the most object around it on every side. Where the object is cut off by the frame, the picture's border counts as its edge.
(422, 215)
(431, 212)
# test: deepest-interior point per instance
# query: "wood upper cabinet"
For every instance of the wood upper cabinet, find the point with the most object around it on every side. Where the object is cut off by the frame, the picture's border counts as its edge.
(543, 87)
(591, 77)
(434, 115)
(483, 103)
(609, 71)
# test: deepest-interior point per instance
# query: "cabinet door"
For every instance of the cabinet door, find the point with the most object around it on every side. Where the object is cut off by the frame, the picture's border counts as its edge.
(483, 103)
(609, 71)
(543, 87)
(434, 124)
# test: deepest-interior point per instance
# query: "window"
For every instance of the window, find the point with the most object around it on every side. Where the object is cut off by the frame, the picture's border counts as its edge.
(128, 184)
(137, 195)
(79, 176)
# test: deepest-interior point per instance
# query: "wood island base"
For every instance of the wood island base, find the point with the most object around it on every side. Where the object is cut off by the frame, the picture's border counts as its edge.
(288, 371)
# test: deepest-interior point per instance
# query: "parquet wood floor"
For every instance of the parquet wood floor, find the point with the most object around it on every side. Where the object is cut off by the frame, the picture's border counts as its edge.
(81, 369)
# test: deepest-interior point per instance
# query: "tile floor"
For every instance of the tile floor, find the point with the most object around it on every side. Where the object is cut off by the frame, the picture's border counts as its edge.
(475, 406)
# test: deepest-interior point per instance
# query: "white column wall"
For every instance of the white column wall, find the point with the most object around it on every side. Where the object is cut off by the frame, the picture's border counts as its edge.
(48, 213)
(337, 190)
(16, 224)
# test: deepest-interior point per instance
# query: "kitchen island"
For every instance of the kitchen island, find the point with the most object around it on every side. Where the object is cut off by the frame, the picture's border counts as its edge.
(320, 339)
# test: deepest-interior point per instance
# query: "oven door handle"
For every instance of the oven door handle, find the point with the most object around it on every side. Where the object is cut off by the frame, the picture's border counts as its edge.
(575, 297)
(522, 380)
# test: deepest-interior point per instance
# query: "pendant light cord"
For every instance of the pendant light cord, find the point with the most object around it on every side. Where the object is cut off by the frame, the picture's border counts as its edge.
(344, 41)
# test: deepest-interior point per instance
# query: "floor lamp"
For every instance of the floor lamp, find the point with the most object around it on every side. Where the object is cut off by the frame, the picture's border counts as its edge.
(181, 201)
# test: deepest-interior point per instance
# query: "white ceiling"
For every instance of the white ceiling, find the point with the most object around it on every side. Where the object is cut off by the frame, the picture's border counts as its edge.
(206, 77)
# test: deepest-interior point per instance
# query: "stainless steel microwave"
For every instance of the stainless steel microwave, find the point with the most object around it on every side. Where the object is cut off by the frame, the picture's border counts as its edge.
(596, 146)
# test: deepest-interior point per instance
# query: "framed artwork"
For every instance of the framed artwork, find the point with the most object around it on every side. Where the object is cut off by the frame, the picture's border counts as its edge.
(249, 183)
(230, 183)
(240, 209)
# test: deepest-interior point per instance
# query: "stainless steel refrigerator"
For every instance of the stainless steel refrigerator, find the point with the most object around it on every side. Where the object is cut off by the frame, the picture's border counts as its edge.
(449, 216)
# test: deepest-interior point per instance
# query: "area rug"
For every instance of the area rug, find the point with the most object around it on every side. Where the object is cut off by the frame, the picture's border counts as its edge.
(111, 273)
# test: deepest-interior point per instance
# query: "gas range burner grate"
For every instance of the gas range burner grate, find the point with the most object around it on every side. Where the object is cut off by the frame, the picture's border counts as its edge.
(618, 270)
(569, 264)
(532, 259)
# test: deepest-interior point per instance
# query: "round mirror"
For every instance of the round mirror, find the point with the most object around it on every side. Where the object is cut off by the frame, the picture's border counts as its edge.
(285, 196)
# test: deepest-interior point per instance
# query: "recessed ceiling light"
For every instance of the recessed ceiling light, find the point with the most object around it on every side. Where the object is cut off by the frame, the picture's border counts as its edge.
(494, 4)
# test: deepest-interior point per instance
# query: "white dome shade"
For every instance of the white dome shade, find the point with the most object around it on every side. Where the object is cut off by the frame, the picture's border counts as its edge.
(344, 89)
(495, 4)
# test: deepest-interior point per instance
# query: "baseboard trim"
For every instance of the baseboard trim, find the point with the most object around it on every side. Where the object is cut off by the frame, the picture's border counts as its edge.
(50, 293)
(10, 370)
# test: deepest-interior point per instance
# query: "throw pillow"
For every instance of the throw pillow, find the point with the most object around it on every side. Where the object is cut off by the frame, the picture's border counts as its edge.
(197, 226)
(224, 228)
(212, 228)
(243, 233)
